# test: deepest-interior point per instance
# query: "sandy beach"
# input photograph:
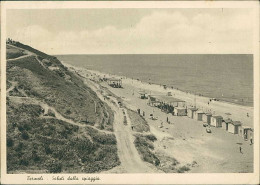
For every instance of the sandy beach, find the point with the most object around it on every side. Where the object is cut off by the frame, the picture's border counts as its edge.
(236, 112)
(185, 139)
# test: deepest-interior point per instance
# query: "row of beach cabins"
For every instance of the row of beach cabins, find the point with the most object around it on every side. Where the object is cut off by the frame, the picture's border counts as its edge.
(178, 107)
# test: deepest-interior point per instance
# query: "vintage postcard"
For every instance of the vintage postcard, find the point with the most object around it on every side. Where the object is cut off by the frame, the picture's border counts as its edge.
(130, 92)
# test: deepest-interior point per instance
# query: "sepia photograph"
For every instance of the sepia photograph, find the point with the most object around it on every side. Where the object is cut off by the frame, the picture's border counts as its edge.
(132, 90)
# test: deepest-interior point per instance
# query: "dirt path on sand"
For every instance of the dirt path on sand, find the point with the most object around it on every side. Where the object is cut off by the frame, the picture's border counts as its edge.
(131, 161)
(24, 56)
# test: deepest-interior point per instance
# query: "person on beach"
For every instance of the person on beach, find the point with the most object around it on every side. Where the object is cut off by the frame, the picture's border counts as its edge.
(247, 115)
(245, 136)
(143, 113)
(167, 119)
(251, 140)
(240, 150)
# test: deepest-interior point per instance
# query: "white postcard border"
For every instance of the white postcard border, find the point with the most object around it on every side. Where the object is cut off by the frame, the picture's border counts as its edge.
(189, 178)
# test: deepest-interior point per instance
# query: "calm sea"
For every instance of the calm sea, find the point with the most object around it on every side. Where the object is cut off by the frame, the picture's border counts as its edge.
(227, 77)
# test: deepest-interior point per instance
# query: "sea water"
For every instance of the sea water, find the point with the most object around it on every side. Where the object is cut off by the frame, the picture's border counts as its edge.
(225, 77)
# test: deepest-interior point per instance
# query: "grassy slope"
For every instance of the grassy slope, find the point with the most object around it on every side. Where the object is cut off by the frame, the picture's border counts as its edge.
(36, 142)
(51, 145)
(60, 89)
(139, 123)
(14, 53)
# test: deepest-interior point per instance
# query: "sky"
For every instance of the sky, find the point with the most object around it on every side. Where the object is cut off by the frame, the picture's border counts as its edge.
(133, 31)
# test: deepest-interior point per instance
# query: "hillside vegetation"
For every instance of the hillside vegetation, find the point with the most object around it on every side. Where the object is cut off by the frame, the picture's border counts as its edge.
(14, 52)
(50, 115)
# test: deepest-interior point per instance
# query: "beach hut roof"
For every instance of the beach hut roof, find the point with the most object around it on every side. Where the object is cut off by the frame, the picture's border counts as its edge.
(246, 127)
(208, 114)
(167, 99)
(227, 120)
(217, 117)
(200, 112)
(237, 123)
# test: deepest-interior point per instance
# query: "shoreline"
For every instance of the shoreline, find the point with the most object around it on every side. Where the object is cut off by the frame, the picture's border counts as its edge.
(201, 101)
(224, 100)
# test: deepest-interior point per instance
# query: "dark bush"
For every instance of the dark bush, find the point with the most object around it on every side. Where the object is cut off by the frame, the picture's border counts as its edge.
(35, 156)
(55, 167)
(144, 147)
(183, 169)
(68, 111)
(105, 139)
(151, 137)
(25, 135)
(10, 142)
(141, 141)
(24, 162)
(27, 127)
(19, 147)
(20, 128)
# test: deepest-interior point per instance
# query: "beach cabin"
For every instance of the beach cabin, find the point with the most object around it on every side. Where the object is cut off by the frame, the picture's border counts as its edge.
(216, 121)
(198, 115)
(206, 118)
(114, 82)
(143, 95)
(180, 111)
(233, 127)
(250, 134)
(225, 123)
(244, 131)
(191, 112)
